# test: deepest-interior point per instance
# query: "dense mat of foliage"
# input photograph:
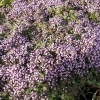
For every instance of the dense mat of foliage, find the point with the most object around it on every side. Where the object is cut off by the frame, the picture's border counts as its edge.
(49, 49)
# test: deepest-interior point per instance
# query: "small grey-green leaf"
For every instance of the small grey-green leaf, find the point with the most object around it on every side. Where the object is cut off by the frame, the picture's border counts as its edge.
(25, 52)
(44, 88)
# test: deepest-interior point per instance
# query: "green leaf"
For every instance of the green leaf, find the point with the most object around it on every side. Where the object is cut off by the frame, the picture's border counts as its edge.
(51, 11)
(94, 96)
(25, 52)
(2, 35)
(5, 96)
(6, 3)
(94, 16)
(40, 25)
(41, 75)
(62, 96)
(70, 31)
(59, 10)
(53, 53)
(39, 44)
(77, 36)
(44, 88)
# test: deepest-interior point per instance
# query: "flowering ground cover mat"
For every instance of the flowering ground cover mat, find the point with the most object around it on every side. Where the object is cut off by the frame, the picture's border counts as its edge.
(50, 50)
